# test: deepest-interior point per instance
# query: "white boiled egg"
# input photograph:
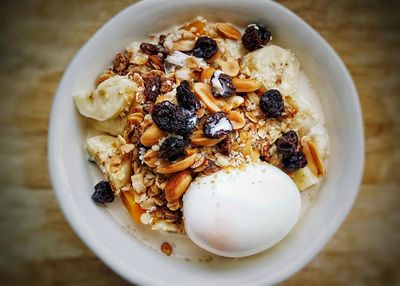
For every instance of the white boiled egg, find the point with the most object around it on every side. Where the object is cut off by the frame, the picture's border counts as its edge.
(239, 213)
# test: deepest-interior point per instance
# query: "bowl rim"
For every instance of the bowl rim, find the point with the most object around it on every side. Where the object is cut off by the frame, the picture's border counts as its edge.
(86, 235)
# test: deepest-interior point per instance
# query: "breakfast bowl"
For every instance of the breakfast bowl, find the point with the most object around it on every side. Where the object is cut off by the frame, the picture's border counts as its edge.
(128, 249)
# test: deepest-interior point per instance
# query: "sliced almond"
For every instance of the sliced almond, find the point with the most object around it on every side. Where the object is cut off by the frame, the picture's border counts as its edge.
(152, 135)
(170, 168)
(134, 208)
(195, 27)
(207, 74)
(215, 57)
(237, 119)
(203, 92)
(315, 162)
(150, 158)
(246, 84)
(184, 45)
(263, 89)
(230, 66)
(177, 185)
(199, 139)
(234, 101)
(228, 31)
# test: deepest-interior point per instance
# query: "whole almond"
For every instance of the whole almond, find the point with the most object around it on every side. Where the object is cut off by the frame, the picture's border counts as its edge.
(177, 185)
(246, 85)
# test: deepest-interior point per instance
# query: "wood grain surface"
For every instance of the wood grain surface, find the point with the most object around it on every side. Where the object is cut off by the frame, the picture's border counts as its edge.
(38, 38)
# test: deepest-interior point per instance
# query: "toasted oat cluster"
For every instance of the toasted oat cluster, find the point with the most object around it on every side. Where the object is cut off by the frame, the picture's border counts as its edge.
(191, 102)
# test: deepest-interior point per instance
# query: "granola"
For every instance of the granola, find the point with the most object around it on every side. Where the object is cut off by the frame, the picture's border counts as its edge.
(190, 103)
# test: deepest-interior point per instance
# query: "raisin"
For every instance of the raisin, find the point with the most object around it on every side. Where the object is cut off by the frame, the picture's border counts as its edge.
(186, 97)
(222, 85)
(225, 146)
(120, 64)
(103, 193)
(152, 85)
(151, 49)
(287, 143)
(255, 37)
(295, 161)
(172, 118)
(161, 39)
(173, 148)
(164, 115)
(205, 48)
(185, 121)
(217, 125)
(271, 103)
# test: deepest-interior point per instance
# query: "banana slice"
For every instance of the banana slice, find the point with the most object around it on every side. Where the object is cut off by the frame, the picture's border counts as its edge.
(113, 127)
(103, 149)
(304, 178)
(109, 99)
(275, 66)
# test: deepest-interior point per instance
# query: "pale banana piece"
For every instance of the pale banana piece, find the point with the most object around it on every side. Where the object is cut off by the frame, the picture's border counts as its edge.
(115, 126)
(103, 147)
(321, 140)
(305, 117)
(304, 178)
(276, 67)
(108, 100)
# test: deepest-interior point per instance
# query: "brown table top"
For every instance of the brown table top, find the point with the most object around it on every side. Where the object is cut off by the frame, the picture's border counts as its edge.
(39, 38)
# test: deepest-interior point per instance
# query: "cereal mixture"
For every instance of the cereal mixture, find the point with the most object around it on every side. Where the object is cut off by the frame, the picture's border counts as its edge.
(203, 98)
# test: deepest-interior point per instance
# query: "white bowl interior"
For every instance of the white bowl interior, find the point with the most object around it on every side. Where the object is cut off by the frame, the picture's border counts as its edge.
(132, 259)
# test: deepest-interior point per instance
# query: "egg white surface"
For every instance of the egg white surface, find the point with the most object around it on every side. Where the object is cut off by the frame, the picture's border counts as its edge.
(239, 213)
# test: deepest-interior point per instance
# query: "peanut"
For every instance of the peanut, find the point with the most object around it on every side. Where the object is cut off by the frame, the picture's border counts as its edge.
(246, 85)
(177, 185)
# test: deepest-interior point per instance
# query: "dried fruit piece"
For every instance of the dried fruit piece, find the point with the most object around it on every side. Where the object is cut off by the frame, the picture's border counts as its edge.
(287, 143)
(186, 97)
(228, 31)
(103, 193)
(195, 27)
(172, 118)
(205, 48)
(173, 148)
(225, 146)
(134, 208)
(246, 84)
(295, 161)
(152, 85)
(156, 62)
(271, 103)
(177, 185)
(151, 49)
(217, 125)
(166, 248)
(120, 64)
(255, 37)
(222, 85)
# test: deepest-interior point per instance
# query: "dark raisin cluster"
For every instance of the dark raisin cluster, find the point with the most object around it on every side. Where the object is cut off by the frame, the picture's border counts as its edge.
(271, 103)
(205, 48)
(217, 125)
(287, 145)
(173, 148)
(151, 49)
(295, 161)
(186, 97)
(152, 85)
(103, 193)
(172, 118)
(255, 37)
(226, 83)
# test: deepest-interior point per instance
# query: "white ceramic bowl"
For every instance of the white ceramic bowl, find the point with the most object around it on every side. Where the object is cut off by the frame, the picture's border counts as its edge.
(142, 265)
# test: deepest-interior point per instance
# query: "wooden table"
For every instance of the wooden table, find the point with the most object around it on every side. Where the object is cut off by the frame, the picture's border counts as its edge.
(39, 38)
